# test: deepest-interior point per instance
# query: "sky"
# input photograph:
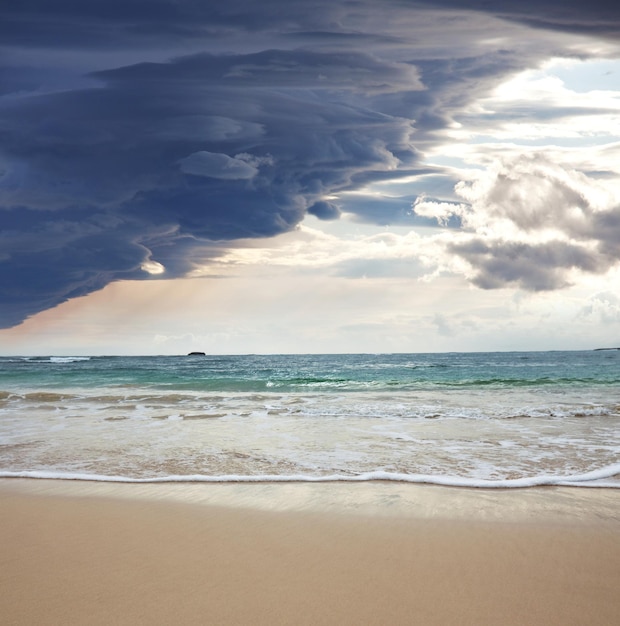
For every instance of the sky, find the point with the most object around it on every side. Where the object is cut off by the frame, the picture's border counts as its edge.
(321, 176)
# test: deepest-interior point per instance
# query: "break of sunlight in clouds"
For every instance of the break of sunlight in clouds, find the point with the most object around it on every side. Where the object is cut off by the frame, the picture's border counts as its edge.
(311, 248)
(535, 105)
(275, 309)
(538, 218)
(153, 267)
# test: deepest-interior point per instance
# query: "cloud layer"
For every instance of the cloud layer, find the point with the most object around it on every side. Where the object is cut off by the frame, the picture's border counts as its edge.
(141, 135)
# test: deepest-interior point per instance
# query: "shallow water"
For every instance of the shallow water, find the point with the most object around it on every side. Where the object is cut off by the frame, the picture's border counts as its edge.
(493, 419)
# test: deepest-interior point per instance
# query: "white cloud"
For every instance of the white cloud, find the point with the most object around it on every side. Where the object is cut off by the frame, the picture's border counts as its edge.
(152, 267)
(441, 211)
(603, 307)
(311, 250)
(538, 105)
(534, 194)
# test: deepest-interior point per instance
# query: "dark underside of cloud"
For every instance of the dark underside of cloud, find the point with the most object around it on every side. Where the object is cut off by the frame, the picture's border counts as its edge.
(597, 16)
(157, 130)
(534, 267)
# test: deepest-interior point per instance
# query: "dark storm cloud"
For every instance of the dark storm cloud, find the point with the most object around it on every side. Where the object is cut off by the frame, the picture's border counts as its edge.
(162, 131)
(288, 69)
(598, 16)
(324, 210)
(22, 80)
(106, 23)
(42, 254)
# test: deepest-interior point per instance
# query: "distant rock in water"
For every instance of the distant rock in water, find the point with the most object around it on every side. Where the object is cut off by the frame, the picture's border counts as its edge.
(196, 354)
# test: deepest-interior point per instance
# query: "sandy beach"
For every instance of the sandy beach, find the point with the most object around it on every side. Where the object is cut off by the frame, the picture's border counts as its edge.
(123, 554)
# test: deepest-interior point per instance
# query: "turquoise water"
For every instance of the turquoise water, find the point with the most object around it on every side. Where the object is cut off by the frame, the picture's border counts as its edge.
(352, 372)
(485, 419)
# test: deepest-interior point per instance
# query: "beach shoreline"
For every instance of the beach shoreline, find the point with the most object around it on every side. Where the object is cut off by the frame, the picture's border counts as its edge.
(96, 553)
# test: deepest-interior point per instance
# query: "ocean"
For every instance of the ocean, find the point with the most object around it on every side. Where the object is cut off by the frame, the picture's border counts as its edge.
(515, 419)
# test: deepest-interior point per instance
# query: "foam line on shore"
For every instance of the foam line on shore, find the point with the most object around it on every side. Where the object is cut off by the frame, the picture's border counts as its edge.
(595, 478)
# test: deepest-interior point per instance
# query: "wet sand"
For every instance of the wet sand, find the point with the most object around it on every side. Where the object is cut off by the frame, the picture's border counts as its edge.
(88, 553)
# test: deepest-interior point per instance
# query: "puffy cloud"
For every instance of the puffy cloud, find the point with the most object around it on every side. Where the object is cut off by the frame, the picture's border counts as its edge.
(530, 222)
(534, 193)
(604, 307)
(442, 212)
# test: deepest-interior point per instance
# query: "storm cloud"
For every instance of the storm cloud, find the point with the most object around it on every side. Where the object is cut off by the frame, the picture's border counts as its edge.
(138, 135)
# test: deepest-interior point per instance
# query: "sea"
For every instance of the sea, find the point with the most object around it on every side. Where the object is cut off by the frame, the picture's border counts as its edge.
(487, 420)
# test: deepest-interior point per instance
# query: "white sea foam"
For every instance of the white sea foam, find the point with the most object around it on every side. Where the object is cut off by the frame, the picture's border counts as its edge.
(596, 478)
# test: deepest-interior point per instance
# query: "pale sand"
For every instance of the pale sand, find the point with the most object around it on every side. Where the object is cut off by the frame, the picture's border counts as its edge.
(125, 554)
